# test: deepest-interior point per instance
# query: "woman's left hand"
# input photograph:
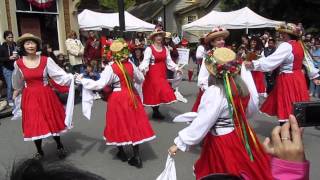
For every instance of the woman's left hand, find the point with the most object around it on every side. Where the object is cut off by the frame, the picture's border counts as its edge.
(173, 150)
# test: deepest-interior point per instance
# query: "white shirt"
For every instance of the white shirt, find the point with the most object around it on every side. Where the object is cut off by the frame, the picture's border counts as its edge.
(144, 66)
(214, 107)
(107, 77)
(283, 58)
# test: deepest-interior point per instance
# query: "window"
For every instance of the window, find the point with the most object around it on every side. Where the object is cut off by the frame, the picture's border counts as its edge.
(190, 19)
(25, 6)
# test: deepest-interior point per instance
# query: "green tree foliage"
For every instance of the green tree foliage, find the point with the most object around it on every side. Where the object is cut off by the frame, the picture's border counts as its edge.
(305, 11)
(113, 4)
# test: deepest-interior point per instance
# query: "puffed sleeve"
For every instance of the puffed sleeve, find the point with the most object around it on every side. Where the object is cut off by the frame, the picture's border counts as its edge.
(203, 76)
(17, 78)
(253, 105)
(210, 108)
(170, 64)
(107, 77)
(266, 64)
(138, 76)
(58, 74)
(62, 78)
(144, 65)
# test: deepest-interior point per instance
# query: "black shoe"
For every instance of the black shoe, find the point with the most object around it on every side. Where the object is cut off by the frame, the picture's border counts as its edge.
(38, 156)
(122, 156)
(157, 115)
(135, 161)
(62, 153)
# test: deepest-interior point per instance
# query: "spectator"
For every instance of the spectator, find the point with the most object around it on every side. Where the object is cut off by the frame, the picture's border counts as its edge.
(140, 39)
(62, 62)
(75, 51)
(286, 147)
(245, 41)
(270, 76)
(92, 51)
(91, 73)
(314, 89)
(35, 170)
(137, 55)
(8, 55)
(48, 51)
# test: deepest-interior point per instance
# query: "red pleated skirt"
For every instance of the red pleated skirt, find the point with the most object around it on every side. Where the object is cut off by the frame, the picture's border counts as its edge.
(156, 88)
(43, 114)
(259, 81)
(227, 154)
(126, 124)
(197, 102)
(289, 88)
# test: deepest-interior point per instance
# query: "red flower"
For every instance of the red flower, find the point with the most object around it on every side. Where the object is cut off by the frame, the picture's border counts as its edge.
(108, 43)
(233, 69)
(109, 55)
(219, 67)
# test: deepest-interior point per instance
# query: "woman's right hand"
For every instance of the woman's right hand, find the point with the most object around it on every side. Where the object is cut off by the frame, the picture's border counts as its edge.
(286, 142)
(78, 78)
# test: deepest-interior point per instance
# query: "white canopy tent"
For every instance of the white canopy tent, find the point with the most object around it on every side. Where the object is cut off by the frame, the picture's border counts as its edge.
(243, 18)
(91, 20)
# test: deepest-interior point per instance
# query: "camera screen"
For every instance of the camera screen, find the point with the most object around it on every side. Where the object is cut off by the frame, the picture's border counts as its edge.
(312, 114)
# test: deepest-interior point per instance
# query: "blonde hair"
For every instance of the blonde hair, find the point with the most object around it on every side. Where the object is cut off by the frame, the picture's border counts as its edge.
(71, 34)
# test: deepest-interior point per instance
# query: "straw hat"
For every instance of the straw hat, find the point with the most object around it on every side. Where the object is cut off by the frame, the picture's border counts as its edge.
(289, 28)
(28, 36)
(157, 31)
(217, 32)
(117, 46)
(220, 57)
(119, 50)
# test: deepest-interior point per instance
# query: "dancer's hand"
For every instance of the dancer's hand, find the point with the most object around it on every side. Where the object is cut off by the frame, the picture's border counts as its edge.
(286, 142)
(78, 78)
(173, 150)
(248, 65)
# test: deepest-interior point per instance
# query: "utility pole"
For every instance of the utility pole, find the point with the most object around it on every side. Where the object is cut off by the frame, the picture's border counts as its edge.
(122, 23)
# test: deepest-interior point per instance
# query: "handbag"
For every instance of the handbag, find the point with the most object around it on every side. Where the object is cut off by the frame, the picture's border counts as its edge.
(169, 172)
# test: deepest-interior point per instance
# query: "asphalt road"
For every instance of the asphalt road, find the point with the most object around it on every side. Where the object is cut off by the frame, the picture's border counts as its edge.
(87, 149)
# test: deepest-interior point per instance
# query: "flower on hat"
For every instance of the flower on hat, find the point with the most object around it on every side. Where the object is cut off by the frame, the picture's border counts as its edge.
(117, 50)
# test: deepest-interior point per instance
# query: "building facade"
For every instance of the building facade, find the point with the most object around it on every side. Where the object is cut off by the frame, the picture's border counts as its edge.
(175, 13)
(52, 22)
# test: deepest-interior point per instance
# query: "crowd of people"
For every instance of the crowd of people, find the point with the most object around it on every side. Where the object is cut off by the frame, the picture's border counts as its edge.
(133, 74)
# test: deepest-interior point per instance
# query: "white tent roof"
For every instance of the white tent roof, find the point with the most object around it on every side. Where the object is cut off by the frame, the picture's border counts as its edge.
(239, 19)
(91, 20)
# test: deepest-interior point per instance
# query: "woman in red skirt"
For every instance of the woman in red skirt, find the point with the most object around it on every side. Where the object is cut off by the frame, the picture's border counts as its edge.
(290, 85)
(43, 115)
(215, 39)
(126, 120)
(258, 76)
(156, 88)
(229, 143)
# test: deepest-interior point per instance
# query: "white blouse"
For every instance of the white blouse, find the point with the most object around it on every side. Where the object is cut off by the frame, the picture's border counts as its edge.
(148, 56)
(283, 58)
(57, 74)
(213, 112)
(108, 77)
(203, 76)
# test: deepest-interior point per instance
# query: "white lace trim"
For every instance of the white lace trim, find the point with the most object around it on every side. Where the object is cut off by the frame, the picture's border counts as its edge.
(153, 105)
(45, 136)
(280, 120)
(129, 142)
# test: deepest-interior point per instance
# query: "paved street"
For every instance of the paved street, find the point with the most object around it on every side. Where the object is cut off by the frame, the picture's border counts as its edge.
(88, 151)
